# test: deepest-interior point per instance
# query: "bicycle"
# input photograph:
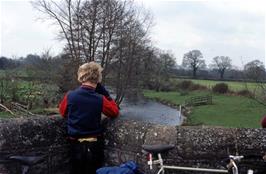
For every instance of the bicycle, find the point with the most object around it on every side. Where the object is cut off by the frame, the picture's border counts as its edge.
(162, 148)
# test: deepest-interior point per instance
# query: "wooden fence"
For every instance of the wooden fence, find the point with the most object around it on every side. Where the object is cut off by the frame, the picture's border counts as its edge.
(200, 100)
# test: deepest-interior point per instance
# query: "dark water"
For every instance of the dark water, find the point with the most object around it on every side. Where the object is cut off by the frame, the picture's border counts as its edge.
(150, 111)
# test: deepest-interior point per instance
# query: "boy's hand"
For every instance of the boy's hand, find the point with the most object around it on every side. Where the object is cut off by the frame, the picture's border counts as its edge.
(101, 90)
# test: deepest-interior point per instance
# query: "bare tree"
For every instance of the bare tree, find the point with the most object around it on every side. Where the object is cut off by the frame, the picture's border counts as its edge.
(165, 63)
(131, 51)
(111, 32)
(62, 14)
(221, 63)
(255, 71)
(65, 14)
(193, 60)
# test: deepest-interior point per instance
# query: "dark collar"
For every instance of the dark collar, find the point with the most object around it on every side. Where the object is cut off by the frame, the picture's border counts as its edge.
(87, 87)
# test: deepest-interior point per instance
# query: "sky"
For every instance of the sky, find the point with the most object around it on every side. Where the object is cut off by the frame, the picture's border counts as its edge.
(215, 27)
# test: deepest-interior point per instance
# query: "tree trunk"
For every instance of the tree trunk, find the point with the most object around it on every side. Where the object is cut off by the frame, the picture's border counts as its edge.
(194, 73)
(222, 75)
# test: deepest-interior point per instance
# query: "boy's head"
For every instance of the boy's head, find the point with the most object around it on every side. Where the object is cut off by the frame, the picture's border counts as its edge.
(90, 72)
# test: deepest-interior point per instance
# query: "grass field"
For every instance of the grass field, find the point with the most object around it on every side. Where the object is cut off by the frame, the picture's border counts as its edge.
(32, 93)
(2, 73)
(226, 111)
(234, 86)
(5, 115)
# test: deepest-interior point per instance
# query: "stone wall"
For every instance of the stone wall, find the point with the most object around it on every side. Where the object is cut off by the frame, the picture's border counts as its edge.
(41, 136)
(194, 146)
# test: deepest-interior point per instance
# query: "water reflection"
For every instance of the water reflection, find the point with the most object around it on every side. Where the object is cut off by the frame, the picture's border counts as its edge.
(150, 111)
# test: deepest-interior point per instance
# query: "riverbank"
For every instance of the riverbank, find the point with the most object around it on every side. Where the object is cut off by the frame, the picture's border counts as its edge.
(226, 110)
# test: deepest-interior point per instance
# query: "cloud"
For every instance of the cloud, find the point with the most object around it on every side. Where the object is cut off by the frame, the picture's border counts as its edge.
(215, 27)
(230, 27)
(256, 7)
(22, 33)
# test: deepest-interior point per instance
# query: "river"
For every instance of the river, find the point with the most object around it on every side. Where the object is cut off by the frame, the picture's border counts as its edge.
(150, 111)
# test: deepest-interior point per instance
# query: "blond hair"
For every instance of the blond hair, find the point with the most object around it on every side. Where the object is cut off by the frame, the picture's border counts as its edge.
(91, 72)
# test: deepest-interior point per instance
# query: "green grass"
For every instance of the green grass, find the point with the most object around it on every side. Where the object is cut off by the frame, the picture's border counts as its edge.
(2, 73)
(226, 111)
(173, 97)
(5, 115)
(234, 86)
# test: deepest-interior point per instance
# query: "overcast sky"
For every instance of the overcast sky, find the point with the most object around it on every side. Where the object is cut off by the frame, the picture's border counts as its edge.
(216, 28)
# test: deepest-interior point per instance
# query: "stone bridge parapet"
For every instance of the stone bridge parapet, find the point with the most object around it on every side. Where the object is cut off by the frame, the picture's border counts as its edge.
(194, 146)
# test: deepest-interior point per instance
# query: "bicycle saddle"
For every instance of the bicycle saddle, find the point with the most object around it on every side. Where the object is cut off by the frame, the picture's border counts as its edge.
(159, 148)
(27, 160)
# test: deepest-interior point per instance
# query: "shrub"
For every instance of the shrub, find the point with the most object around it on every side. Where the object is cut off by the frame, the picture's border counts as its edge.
(185, 85)
(221, 88)
(245, 93)
(164, 85)
(188, 85)
(167, 86)
(197, 87)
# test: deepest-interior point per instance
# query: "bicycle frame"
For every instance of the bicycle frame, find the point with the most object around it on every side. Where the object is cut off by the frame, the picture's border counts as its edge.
(162, 167)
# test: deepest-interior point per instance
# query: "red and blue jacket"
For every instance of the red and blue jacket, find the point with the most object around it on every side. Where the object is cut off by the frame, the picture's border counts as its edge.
(83, 107)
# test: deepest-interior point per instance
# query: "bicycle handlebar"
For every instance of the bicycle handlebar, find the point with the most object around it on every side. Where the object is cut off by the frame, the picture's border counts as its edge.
(236, 157)
(230, 163)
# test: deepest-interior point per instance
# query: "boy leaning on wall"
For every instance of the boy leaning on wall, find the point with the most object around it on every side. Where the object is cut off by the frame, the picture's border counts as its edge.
(82, 108)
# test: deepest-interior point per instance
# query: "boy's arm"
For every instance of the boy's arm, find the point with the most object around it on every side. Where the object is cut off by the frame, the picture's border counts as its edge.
(110, 108)
(63, 107)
